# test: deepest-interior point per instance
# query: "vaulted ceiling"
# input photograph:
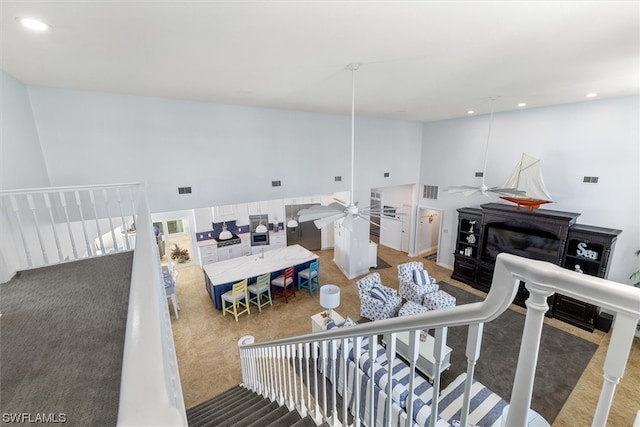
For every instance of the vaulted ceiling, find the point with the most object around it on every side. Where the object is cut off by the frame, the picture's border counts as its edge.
(421, 60)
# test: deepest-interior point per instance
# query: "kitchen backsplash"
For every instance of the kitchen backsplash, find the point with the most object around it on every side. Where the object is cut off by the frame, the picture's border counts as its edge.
(232, 227)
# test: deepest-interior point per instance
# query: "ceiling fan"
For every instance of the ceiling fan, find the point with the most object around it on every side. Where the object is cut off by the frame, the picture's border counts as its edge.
(324, 215)
(468, 190)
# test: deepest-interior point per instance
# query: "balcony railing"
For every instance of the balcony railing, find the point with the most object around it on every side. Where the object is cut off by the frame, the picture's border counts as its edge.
(52, 225)
(266, 367)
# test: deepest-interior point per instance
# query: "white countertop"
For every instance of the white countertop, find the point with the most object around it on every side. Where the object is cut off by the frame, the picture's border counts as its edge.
(236, 269)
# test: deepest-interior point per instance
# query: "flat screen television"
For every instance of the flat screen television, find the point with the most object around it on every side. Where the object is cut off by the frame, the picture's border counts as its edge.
(534, 244)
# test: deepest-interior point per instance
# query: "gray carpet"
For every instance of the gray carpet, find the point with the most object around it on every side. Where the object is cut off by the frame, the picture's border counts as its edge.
(562, 359)
(62, 338)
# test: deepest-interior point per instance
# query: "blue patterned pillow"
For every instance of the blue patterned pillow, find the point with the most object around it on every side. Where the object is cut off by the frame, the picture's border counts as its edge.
(329, 323)
(421, 277)
(378, 293)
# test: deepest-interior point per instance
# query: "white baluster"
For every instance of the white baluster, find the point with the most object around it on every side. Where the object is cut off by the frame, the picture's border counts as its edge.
(414, 341)
(325, 365)
(133, 205)
(345, 376)
(32, 206)
(47, 203)
(528, 358)
(614, 364)
(439, 343)
(113, 233)
(280, 382)
(292, 402)
(303, 404)
(16, 210)
(357, 345)
(273, 374)
(334, 382)
(124, 224)
(260, 364)
(317, 416)
(84, 226)
(391, 357)
(373, 344)
(63, 202)
(95, 213)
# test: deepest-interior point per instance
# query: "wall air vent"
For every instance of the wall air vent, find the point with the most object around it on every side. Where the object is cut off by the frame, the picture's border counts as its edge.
(479, 174)
(276, 183)
(184, 190)
(590, 179)
(386, 174)
(430, 192)
(337, 178)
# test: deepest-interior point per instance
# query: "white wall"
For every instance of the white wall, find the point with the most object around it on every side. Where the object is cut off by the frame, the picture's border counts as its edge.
(21, 161)
(595, 138)
(227, 154)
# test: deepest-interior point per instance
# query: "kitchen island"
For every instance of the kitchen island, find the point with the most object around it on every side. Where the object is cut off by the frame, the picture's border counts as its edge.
(220, 276)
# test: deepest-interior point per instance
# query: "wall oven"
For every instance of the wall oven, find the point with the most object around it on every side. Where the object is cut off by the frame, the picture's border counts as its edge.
(259, 238)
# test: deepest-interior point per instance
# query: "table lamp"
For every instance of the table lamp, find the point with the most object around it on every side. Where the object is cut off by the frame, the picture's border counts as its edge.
(329, 297)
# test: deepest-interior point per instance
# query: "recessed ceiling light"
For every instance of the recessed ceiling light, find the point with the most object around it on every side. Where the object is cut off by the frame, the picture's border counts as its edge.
(33, 24)
(591, 95)
(522, 104)
(471, 112)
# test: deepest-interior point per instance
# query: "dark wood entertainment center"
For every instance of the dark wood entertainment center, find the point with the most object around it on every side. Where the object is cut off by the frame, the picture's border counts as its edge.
(541, 234)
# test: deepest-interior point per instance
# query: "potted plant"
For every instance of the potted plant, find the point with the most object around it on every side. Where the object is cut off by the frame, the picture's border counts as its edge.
(179, 255)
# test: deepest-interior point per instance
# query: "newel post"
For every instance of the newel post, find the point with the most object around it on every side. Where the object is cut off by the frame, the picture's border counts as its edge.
(528, 358)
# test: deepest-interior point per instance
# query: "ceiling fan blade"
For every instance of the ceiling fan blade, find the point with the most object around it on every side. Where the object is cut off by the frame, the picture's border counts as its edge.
(373, 223)
(460, 188)
(313, 215)
(471, 191)
(340, 202)
(323, 222)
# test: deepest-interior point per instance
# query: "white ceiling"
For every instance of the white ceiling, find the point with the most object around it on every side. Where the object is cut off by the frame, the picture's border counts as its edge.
(421, 60)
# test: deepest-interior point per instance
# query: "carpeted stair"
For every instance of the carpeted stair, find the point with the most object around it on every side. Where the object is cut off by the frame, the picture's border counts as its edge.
(240, 407)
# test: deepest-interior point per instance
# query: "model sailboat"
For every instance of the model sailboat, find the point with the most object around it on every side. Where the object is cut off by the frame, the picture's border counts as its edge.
(527, 177)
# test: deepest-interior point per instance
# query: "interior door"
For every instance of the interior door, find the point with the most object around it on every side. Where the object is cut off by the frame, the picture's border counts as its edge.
(405, 227)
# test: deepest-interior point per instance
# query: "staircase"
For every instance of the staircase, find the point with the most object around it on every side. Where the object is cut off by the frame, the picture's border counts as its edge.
(241, 407)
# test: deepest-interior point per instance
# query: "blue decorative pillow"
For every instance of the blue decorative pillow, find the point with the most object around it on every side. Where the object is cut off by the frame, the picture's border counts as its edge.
(329, 323)
(421, 277)
(378, 293)
(348, 321)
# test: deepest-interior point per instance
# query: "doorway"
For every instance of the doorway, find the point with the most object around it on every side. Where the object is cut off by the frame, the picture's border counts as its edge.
(376, 204)
(172, 234)
(428, 233)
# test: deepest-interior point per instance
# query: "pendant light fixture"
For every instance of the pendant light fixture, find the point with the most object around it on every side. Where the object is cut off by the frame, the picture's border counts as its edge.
(261, 228)
(292, 223)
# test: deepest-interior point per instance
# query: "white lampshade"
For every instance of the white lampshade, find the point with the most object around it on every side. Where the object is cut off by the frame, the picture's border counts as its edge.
(292, 223)
(261, 228)
(329, 297)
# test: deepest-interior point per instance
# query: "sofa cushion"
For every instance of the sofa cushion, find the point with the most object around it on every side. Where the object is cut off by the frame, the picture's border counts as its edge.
(421, 277)
(378, 293)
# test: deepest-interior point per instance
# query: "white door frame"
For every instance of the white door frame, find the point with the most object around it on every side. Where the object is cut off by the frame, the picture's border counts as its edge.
(421, 229)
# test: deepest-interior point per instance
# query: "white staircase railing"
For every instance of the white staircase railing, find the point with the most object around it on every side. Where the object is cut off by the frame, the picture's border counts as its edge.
(45, 226)
(48, 226)
(263, 363)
